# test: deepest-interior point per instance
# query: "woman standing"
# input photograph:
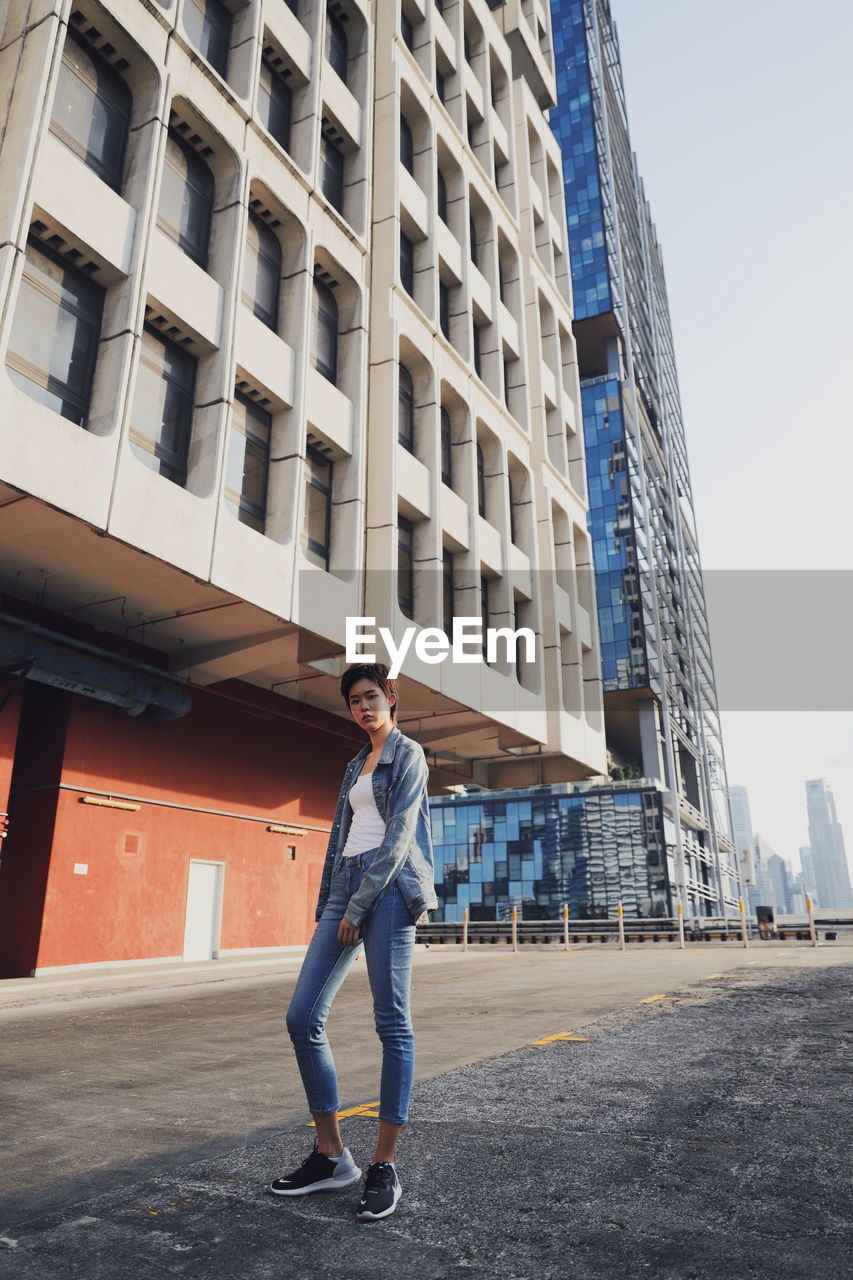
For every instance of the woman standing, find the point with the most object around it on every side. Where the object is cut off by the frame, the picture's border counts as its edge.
(377, 881)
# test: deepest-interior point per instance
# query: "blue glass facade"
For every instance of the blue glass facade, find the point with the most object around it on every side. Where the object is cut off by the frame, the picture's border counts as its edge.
(573, 124)
(538, 849)
(611, 525)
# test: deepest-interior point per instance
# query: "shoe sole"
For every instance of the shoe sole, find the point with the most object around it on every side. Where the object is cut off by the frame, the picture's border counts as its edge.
(366, 1216)
(328, 1184)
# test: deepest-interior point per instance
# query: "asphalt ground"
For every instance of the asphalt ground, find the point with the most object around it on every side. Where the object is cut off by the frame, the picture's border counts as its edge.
(701, 1136)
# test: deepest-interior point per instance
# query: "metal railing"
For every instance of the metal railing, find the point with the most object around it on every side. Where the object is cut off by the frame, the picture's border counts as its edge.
(516, 932)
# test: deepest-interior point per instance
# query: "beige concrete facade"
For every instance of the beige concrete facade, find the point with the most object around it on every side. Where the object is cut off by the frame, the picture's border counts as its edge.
(89, 527)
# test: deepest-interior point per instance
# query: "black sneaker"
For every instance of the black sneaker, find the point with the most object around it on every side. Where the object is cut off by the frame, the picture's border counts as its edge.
(382, 1190)
(318, 1173)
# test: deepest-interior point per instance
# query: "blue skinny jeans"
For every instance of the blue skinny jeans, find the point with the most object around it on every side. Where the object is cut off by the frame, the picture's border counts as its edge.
(388, 937)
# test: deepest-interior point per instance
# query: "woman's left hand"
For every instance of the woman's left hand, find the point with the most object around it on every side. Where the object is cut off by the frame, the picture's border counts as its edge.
(349, 935)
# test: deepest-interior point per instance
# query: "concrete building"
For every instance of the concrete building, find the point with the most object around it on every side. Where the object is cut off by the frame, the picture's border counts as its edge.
(826, 842)
(661, 714)
(285, 339)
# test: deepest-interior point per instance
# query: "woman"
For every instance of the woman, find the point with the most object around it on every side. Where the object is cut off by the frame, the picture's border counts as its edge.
(377, 881)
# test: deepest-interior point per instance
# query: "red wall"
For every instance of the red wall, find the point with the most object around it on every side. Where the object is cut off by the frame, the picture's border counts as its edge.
(223, 755)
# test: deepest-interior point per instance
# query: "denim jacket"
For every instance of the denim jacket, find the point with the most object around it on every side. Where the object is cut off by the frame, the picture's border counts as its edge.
(405, 854)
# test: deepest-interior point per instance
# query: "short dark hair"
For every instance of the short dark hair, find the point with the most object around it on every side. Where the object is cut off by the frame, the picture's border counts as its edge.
(378, 673)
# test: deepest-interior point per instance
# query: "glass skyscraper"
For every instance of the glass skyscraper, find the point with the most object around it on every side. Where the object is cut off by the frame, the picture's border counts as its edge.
(829, 869)
(661, 713)
(580, 844)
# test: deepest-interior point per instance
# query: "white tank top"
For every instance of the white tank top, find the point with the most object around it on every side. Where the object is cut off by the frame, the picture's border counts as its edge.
(367, 830)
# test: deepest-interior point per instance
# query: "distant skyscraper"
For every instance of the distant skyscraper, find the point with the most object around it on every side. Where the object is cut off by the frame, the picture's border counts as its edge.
(742, 833)
(778, 871)
(807, 877)
(832, 875)
(762, 892)
(660, 702)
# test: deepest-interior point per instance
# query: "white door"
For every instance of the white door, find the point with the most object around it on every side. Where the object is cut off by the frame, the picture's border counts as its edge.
(201, 927)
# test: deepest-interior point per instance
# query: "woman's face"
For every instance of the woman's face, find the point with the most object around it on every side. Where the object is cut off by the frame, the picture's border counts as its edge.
(369, 706)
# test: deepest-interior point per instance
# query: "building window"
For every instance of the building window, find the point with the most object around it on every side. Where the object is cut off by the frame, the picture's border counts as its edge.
(441, 196)
(472, 241)
(407, 145)
(318, 505)
(332, 173)
(481, 482)
(275, 104)
(248, 462)
(502, 281)
(54, 338)
(484, 608)
(518, 612)
(293, 6)
(506, 382)
(478, 350)
(337, 51)
(441, 86)
(447, 598)
(407, 264)
(513, 502)
(405, 566)
(186, 199)
(262, 272)
(444, 308)
(407, 30)
(161, 421)
(208, 24)
(325, 354)
(405, 409)
(446, 450)
(91, 110)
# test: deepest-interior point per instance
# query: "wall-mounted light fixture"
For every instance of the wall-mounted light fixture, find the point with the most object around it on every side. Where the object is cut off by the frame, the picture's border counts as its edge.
(105, 802)
(287, 831)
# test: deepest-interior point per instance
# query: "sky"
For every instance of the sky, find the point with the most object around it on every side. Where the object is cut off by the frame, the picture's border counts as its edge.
(740, 115)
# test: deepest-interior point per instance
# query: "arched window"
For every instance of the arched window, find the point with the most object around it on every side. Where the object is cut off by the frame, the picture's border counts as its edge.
(406, 566)
(91, 110)
(481, 482)
(513, 502)
(405, 409)
(162, 416)
(275, 104)
(407, 145)
(332, 173)
(262, 271)
(325, 353)
(446, 449)
(337, 51)
(186, 199)
(54, 340)
(441, 195)
(447, 591)
(407, 264)
(247, 468)
(209, 26)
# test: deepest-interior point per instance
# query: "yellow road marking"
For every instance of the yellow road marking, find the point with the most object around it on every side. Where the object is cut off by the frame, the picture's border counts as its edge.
(713, 975)
(649, 999)
(365, 1109)
(561, 1035)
